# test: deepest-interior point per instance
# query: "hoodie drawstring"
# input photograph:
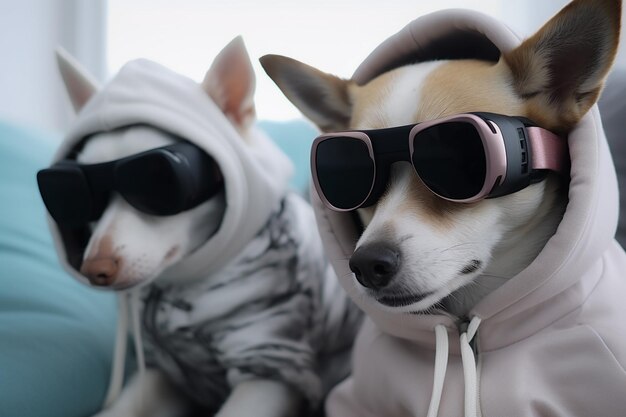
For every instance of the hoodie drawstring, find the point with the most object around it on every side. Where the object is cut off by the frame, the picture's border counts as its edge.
(119, 354)
(470, 374)
(441, 364)
(135, 318)
(119, 351)
(136, 329)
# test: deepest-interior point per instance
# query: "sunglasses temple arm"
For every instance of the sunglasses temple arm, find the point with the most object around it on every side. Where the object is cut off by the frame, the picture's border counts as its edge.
(549, 151)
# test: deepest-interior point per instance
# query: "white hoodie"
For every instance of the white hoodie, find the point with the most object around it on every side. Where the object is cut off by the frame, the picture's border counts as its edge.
(257, 299)
(549, 342)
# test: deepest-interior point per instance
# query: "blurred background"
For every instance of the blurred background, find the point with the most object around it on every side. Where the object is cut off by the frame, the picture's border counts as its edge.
(185, 35)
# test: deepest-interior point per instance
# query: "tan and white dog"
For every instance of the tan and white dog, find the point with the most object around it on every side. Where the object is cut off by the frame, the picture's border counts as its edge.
(458, 253)
(506, 306)
(234, 297)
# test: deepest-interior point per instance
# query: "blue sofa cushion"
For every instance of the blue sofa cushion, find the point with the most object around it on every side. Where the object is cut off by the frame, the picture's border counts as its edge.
(56, 335)
(294, 137)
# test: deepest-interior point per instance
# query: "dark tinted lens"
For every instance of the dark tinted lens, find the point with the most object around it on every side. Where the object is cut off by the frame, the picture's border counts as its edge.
(450, 159)
(66, 194)
(151, 184)
(345, 171)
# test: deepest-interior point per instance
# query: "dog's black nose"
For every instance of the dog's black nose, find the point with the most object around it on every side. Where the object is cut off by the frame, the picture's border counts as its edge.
(375, 264)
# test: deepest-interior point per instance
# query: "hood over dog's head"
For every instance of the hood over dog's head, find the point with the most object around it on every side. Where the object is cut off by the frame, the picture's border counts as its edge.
(145, 100)
(458, 61)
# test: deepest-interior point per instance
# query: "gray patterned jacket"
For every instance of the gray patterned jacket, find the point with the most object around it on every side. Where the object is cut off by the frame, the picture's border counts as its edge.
(276, 311)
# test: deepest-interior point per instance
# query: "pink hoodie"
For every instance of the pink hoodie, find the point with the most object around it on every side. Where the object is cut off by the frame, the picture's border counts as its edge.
(549, 342)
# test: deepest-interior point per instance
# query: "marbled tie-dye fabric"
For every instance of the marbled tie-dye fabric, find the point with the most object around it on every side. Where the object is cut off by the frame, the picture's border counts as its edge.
(275, 312)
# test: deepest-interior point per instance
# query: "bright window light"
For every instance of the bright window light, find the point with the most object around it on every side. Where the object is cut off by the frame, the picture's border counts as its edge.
(332, 35)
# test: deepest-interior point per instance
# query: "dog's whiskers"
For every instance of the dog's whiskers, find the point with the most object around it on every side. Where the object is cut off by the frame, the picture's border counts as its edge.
(459, 245)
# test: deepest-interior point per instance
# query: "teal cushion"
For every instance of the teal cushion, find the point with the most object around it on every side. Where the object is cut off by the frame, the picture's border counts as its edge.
(56, 335)
(294, 137)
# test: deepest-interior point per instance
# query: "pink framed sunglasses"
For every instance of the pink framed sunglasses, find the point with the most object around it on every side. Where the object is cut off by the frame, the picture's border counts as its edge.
(462, 158)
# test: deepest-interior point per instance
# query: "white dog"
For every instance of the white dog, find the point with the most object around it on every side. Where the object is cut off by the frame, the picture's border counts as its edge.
(515, 300)
(189, 214)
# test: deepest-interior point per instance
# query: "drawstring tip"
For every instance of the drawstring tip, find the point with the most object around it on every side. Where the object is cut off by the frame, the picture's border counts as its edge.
(441, 364)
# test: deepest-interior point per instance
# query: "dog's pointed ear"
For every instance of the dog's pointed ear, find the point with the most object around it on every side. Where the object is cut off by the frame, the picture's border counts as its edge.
(80, 85)
(561, 69)
(322, 97)
(230, 82)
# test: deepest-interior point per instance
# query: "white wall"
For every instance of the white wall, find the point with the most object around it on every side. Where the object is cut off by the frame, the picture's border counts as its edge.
(30, 87)
(332, 35)
(31, 92)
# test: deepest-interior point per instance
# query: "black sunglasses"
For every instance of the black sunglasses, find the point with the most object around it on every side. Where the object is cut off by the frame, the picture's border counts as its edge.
(162, 182)
(462, 158)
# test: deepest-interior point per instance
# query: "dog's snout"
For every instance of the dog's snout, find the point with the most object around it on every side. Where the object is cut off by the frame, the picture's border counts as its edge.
(375, 264)
(101, 271)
